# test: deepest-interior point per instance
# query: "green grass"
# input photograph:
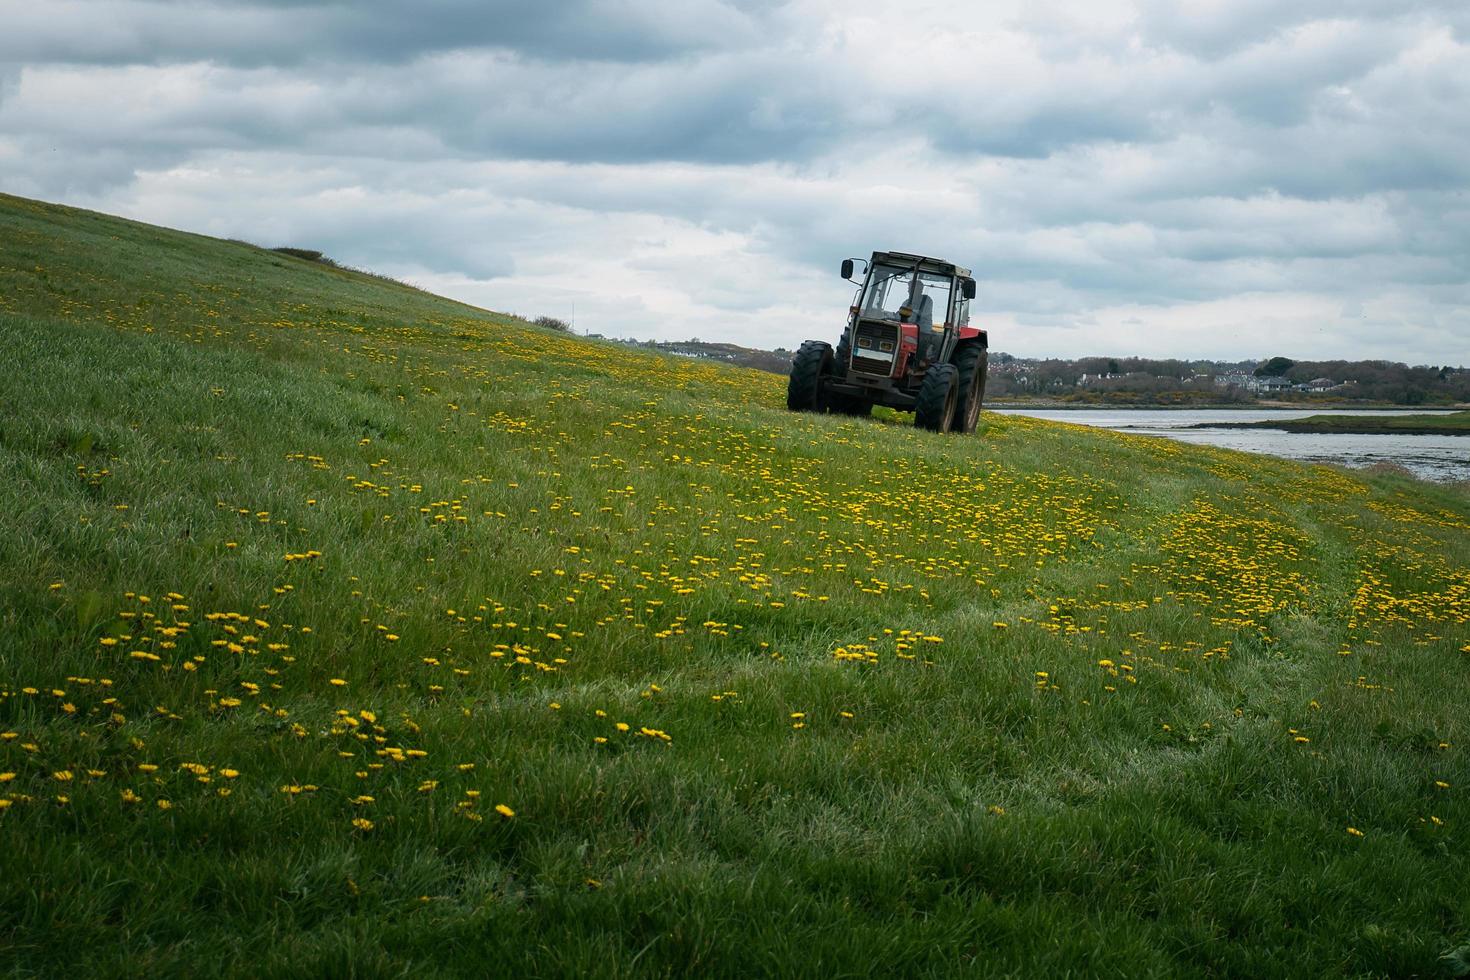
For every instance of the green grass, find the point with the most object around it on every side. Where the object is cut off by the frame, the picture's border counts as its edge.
(1440, 423)
(394, 547)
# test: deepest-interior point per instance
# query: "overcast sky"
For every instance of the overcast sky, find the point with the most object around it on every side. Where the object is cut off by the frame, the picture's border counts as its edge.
(1191, 178)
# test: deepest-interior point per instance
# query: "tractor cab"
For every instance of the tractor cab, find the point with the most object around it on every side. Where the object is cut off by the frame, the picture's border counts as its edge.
(909, 321)
(910, 294)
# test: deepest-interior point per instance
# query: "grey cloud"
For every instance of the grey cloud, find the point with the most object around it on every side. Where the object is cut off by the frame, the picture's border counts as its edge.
(467, 105)
(378, 31)
(777, 102)
(1043, 131)
(425, 239)
(1222, 29)
(1126, 97)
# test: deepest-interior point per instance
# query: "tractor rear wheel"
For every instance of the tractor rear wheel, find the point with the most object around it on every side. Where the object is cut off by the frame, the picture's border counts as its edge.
(935, 408)
(811, 364)
(970, 362)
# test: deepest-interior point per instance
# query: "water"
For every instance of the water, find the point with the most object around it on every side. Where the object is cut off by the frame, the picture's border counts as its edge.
(1440, 458)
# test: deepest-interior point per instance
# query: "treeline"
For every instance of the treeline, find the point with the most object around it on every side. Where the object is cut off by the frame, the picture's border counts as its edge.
(1171, 381)
(1125, 380)
(1159, 381)
(1387, 381)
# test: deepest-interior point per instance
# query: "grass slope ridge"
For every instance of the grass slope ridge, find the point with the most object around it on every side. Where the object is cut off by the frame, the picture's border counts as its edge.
(347, 630)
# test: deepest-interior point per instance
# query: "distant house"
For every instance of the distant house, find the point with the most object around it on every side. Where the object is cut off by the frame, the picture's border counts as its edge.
(1271, 384)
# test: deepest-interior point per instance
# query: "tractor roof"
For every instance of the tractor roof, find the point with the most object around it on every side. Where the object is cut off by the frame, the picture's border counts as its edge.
(927, 263)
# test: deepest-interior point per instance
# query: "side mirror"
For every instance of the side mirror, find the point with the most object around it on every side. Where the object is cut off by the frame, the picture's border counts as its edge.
(968, 289)
(847, 268)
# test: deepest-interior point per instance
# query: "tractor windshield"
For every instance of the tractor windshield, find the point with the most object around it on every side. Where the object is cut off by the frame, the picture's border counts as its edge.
(888, 291)
(892, 290)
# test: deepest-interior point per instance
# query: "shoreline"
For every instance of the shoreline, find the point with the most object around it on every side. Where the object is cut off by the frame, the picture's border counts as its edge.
(1417, 424)
(1232, 407)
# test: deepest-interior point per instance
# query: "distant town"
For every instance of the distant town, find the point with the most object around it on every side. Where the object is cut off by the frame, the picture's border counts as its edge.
(1147, 381)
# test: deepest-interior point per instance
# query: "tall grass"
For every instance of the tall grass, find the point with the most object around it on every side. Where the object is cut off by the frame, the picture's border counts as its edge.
(344, 630)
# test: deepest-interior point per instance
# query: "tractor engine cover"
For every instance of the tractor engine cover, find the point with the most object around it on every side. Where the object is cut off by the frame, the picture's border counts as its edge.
(875, 348)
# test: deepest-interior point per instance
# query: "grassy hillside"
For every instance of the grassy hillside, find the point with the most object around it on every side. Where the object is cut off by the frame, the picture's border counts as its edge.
(346, 629)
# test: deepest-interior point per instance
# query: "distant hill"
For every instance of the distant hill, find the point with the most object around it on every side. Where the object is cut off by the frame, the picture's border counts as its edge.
(772, 361)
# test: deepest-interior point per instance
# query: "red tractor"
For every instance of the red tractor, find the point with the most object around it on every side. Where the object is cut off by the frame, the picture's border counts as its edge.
(908, 345)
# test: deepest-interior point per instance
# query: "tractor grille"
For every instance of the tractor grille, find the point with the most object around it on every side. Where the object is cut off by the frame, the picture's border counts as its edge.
(874, 348)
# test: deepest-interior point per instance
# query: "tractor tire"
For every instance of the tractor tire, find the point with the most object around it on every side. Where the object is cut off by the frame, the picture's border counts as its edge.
(970, 362)
(812, 363)
(935, 408)
(844, 354)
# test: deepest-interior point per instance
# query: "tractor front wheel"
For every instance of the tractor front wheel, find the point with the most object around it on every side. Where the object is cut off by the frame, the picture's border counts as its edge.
(935, 408)
(811, 364)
